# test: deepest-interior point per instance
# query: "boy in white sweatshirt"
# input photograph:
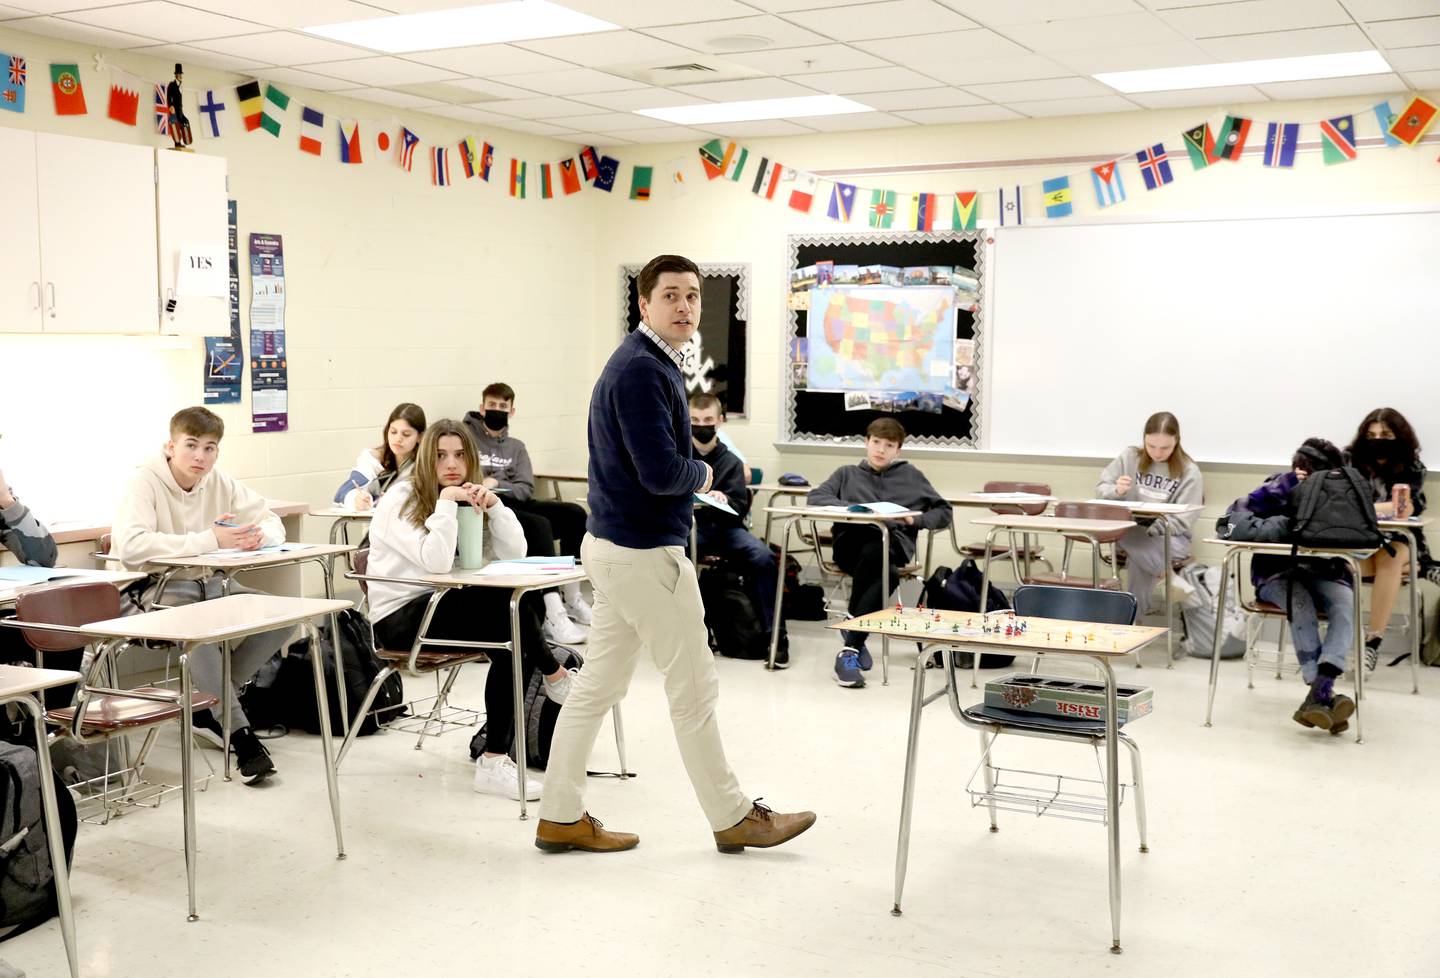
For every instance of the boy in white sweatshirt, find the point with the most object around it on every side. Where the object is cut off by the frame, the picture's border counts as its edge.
(178, 505)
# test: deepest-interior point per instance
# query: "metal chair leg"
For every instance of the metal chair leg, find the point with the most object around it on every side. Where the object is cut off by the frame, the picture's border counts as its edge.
(986, 745)
(441, 698)
(1139, 775)
(354, 730)
(619, 740)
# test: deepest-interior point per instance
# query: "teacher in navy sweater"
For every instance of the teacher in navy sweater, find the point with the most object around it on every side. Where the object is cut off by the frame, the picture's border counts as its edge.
(642, 486)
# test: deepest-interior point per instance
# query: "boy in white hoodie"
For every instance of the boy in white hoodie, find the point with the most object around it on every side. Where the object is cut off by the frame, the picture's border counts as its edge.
(178, 505)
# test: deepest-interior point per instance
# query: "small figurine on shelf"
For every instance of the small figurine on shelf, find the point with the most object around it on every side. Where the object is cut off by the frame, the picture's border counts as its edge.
(179, 124)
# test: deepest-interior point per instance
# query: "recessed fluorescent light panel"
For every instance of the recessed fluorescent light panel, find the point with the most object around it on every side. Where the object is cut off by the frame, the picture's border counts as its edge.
(492, 23)
(1246, 72)
(763, 108)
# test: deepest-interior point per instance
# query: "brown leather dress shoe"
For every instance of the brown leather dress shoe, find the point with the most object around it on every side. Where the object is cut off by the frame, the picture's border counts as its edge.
(587, 835)
(763, 828)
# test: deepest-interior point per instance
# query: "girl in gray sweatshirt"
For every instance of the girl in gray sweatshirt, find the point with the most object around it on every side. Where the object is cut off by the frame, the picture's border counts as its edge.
(1156, 471)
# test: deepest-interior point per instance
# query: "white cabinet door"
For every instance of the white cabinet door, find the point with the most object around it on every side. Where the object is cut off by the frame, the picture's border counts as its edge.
(190, 208)
(19, 203)
(97, 235)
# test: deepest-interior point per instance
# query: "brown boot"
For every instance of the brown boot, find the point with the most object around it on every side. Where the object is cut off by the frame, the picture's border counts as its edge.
(762, 828)
(587, 835)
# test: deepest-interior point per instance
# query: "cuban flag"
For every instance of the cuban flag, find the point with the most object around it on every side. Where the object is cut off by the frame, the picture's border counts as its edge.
(350, 141)
(1281, 139)
(162, 111)
(312, 130)
(1108, 188)
(440, 166)
(1154, 166)
(408, 142)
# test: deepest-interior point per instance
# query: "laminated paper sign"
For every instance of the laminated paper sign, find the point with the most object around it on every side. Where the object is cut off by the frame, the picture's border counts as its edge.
(269, 395)
(224, 356)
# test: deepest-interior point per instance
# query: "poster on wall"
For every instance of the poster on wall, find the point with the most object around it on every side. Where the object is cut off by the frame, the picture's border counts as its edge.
(224, 357)
(269, 394)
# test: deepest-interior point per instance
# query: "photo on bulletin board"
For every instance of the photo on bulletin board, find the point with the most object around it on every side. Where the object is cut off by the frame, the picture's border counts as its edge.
(716, 359)
(884, 325)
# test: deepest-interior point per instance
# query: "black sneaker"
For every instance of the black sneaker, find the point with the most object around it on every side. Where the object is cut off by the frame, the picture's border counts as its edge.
(782, 652)
(207, 729)
(1372, 652)
(254, 759)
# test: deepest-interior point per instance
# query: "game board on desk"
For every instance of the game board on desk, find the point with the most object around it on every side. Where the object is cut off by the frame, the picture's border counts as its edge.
(1004, 628)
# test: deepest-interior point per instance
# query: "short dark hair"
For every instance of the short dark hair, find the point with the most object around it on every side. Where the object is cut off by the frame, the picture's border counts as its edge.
(659, 265)
(700, 401)
(198, 422)
(1316, 455)
(887, 428)
(500, 390)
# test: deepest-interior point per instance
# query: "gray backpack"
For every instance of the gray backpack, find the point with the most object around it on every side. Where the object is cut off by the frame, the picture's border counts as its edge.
(27, 882)
(1198, 614)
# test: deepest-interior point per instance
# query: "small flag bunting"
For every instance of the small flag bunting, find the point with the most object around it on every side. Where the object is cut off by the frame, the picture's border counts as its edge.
(12, 82)
(1281, 138)
(350, 142)
(312, 130)
(212, 110)
(466, 153)
(923, 209)
(640, 179)
(547, 190)
(676, 169)
(967, 210)
(842, 200)
(124, 104)
(65, 84)
(1231, 140)
(767, 178)
(408, 142)
(1108, 188)
(487, 159)
(1413, 120)
(1201, 146)
(162, 111)
(1385, 117)
(606, 172)
(517, 179)
(1155, 165)
(276, 103)
(440, 166)
(589, 163)
(1011, 214)
(1337, 139)
(802, 197)
(715, 158)
(882, 208)
(570, 177)
(251, 104)
(1057, 197)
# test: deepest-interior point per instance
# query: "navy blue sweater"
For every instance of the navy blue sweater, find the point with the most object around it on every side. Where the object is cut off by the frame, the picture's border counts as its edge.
(642, 478)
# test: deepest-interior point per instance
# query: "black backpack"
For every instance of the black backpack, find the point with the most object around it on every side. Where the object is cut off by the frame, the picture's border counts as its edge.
(541, 712)
(799, 602)
(959, 590)
(731, 618)
(27, 880)
(1334, 508)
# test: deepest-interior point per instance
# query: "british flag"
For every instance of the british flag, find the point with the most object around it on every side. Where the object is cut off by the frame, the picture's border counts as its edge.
(1154, 166)
(17, 70)
(162, 111)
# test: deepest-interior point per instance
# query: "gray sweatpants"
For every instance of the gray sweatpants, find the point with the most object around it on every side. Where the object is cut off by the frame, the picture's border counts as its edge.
(206, 663)
(1145, 562)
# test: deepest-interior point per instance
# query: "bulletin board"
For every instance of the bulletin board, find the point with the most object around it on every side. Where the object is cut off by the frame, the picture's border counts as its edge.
(834, 416)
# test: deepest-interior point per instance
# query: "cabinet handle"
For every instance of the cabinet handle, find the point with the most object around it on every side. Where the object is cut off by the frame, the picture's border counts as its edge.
(51, 287)
(35, 290)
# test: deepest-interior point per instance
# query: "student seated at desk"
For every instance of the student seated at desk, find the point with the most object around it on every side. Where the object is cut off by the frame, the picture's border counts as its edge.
(1304, 585)
(1387, 453)
(881, 477)
(717, 533)
(179, 505)
(28, 540)
(376, 468)
(414, 533)
(728, 442)
(1156, 471)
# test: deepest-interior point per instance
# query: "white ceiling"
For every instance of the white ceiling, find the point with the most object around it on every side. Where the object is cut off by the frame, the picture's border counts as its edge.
(917, 61)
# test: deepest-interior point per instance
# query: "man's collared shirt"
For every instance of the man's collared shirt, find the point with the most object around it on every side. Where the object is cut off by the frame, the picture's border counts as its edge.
(666, 348)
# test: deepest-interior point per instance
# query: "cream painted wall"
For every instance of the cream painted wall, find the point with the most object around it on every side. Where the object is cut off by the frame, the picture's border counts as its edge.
(724, 222)
(397, 291)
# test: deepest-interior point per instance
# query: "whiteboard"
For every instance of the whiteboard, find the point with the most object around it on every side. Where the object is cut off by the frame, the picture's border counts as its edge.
(1255, 333)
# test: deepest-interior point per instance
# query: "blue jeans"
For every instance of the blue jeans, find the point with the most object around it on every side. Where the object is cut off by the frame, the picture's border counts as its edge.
(752, 556)
(1337, 600)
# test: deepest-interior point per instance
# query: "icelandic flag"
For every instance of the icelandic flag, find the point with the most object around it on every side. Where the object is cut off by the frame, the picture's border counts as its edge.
(312, 130)
(162, 111)
(1154, 166)
(212, 127)
(1057, 197)
(1281, 139)
(1108, 188)
(350, 141)
(408, 141)
(842, 200)
(1010, 212)
(440, 166)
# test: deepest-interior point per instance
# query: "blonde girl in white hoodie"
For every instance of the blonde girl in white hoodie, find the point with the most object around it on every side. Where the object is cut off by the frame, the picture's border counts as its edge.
(415, 532)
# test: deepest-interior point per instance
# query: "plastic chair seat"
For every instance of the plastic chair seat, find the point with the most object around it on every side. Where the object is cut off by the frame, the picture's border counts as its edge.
(431, 661)
(108, 713)
(1258, 607)
(999, 550)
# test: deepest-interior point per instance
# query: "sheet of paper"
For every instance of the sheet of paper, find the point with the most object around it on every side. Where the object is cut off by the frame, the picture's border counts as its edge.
(879, 509)
(25, 574)
(712, 501)
(517, 568)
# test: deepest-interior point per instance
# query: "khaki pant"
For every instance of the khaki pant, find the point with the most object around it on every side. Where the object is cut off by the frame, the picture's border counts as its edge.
(646, 598)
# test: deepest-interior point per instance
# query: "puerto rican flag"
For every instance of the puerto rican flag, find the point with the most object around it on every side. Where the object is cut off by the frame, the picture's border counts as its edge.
(408, 142)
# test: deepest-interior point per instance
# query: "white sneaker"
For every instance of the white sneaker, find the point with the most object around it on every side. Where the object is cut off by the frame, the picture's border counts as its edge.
(559, 690)
(498, 776)
(575, 604)
(560, 630)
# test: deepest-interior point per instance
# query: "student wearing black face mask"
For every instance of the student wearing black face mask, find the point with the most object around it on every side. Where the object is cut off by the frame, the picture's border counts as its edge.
(717, 532)
(1387, 453)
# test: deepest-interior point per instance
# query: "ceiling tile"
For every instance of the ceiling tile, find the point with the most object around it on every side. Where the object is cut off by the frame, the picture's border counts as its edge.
(868, 80)
(546, 107)
(1389, 9)
(573, 81)
(890, 18)
(384, 96)
(760, 127)
(798, 61)
(83, 33)
(1135, 57)
(12, 13)
(1255, 17)
(467, 113)
(489, 60)
(486, 90)
(1287, 44)
(746, 89)
(1414, 59)
(962, 113)
(855, 122)
(1429, 80)
(380, 71)
(993, 14)
(185, 54)
(1075, 106)
(282, 13)
(924, 98)
(303, 79)
(1226, 96)
(165, 21)
(60, 6)
(1023, 68)
(1034, 91)
(538, 128)
(779, 33)
(1406, 33)
(1333, 87)
(282, 48)
(782, 6)
(1115, 30)
(608, 121)
(607, 48)
(651, 13)
(598, 139)
(640, 98)
(664, 134)
(945, 46)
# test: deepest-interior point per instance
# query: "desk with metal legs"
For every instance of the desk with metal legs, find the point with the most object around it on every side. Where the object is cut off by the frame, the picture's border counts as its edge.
(1043, 637)
(776, 490)
(556, 478)
(1410, 529)
(342, 517)
(826, 514)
